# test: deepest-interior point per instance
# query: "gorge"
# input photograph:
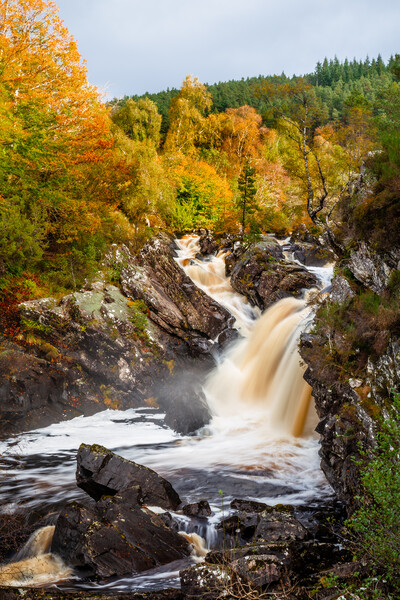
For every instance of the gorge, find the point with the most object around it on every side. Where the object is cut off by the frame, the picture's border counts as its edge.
(259, 445)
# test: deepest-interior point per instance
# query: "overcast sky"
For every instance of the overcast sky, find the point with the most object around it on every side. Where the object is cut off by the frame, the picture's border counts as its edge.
(134, 46)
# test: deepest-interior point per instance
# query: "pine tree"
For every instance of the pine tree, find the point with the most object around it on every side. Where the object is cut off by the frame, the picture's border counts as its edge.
(247, 191)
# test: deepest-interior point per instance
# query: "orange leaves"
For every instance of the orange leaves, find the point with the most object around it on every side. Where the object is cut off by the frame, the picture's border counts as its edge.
(40, 64)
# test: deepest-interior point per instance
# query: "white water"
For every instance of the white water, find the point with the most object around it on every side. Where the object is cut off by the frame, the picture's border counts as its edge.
(259, 401)
(210, 277)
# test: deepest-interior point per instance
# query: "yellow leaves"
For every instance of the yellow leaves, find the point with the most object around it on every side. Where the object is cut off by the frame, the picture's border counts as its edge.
(198, 184)
(187, 120)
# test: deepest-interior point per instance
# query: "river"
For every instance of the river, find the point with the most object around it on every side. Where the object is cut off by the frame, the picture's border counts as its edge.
(259, 445)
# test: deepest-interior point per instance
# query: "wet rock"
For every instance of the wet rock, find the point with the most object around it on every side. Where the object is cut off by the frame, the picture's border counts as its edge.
(227, 337)
(100, 472)
(248, 506)
(115, 538)
(187, 408)
(275, 526)
(258, 523)
(241, 525)
(261, 570)
(206, 582)
(261, 566)
(312, 254)
(199, 509)
(175, 303)
(208, 244)
(264, 279)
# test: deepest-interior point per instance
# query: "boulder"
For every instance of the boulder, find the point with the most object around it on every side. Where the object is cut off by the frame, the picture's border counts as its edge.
(206, 582)
(208, 244)
(277, 525)
(116, 537)
(183, 400)
(100, 472)
(257, 522)
(199, 509)
(175, 303)
(264, 279)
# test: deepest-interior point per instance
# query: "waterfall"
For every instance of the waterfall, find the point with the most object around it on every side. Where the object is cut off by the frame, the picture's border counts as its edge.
(259, 444)
(34, 566)
(263, 372)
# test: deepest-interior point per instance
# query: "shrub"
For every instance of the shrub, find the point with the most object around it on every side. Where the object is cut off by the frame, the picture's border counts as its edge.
(376, 524)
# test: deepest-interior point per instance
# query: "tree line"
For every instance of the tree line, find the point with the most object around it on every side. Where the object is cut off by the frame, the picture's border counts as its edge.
(261, 154)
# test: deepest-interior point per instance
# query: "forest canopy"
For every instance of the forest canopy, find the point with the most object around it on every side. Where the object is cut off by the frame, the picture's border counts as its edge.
(78, 173)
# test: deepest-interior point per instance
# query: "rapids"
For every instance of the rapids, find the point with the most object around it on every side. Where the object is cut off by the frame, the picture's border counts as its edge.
(259, 445)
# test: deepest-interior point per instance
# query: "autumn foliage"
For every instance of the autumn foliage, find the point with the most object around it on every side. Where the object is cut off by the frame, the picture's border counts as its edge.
(76, 174)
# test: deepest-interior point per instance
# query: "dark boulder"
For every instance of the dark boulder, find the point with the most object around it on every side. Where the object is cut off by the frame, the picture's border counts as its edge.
(312, 255)
(116, 537)
(208, 243)
(100, 472)
(278, 525)
(199, 509)
(175, 303)
(257, 522)
(264, 279)
(187, 409)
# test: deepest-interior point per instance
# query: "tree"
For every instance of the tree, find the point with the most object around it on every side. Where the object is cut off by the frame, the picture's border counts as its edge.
(247, 191)
(139, 120)
(204, 197)
(187, 117)
(57, 153)
(327, 171)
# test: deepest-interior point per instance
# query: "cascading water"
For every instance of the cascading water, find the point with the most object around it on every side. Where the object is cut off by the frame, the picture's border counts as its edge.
(259, 444)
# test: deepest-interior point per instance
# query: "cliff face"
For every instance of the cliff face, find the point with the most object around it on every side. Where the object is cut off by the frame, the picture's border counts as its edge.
(353, 358)
(113, 346)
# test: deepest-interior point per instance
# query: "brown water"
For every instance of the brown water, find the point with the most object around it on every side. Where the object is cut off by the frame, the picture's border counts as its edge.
(259, 445)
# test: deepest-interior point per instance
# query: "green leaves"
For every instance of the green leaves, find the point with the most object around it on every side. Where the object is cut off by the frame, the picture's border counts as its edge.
(376, 524)
(247, 191)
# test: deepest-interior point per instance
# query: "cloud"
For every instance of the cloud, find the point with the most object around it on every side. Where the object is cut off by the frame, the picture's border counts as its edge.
(138, 47)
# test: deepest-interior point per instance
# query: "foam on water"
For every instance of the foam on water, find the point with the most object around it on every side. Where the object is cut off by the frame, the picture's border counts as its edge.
(247, 451)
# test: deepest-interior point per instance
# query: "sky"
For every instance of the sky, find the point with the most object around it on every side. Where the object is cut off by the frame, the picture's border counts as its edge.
(138, 46)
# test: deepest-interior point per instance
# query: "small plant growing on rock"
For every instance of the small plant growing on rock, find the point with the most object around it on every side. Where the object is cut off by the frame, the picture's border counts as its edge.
(376, 523)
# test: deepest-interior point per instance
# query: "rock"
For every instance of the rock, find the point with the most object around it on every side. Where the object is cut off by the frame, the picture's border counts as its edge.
(199, 509)
(341, 290)
(175, 303)
(312, 254)
(117, 535)
(186, 405)
(115, 538)
(208, 244)
(258, 523)
(269, 247)
(227, 337)
(248, 506)
(97, 348)
(206, 582)
(369, 268)
(264, 279)
(262, 570)
(100, 472)
(276, 525)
